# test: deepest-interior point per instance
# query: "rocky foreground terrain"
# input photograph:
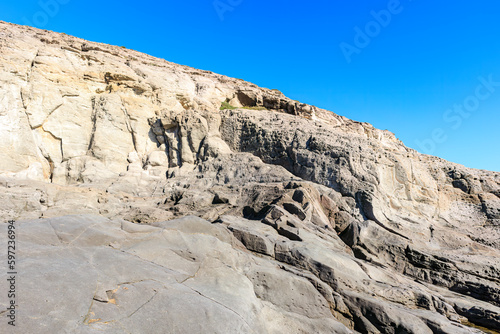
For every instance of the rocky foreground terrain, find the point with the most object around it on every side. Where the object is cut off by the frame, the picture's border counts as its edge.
(151, 197)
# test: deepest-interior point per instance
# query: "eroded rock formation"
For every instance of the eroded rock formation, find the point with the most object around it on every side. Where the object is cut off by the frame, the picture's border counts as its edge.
(143, 207)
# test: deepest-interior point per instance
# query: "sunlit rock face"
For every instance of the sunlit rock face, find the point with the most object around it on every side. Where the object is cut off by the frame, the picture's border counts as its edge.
(161, 198)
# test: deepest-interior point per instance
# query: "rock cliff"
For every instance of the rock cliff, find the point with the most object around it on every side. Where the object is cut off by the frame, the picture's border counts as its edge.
(151, 197)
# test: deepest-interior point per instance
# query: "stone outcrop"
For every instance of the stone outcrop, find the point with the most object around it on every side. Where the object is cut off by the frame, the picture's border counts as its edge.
(150, 195)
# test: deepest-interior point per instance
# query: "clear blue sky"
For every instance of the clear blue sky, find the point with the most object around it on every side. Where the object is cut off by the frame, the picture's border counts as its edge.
(415, 72)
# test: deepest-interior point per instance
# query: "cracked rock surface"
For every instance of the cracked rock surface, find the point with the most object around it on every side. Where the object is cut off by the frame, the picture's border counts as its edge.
(142, 207)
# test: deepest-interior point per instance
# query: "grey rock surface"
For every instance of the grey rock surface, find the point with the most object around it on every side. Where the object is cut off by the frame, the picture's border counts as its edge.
(142, 207)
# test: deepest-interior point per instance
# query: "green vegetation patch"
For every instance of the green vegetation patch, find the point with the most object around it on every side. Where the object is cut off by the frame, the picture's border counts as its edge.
(226, 105)
(255, 108)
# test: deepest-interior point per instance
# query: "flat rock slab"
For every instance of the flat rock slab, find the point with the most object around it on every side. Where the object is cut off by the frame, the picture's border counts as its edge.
(89, 274)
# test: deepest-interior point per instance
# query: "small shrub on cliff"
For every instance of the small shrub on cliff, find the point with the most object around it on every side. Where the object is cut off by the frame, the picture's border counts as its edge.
(226, 105)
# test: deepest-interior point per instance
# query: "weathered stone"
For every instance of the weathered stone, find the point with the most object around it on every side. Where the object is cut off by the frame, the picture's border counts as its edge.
(115, 163)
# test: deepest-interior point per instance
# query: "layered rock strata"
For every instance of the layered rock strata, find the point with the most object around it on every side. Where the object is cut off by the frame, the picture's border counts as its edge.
(153, 197)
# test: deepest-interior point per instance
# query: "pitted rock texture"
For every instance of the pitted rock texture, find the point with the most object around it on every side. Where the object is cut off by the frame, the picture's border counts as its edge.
(143, 207)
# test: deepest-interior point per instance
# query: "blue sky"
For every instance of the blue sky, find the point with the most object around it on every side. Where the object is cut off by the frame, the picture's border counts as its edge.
(427, 71)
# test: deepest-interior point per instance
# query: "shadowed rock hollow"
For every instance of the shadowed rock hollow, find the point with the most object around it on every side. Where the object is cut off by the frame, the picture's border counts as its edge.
(142, 207)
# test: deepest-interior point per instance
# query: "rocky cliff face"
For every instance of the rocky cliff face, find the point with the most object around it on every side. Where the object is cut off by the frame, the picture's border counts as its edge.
(156, 211)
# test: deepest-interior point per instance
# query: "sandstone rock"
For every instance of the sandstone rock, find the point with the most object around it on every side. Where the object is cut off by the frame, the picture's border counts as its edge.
(134, 192)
